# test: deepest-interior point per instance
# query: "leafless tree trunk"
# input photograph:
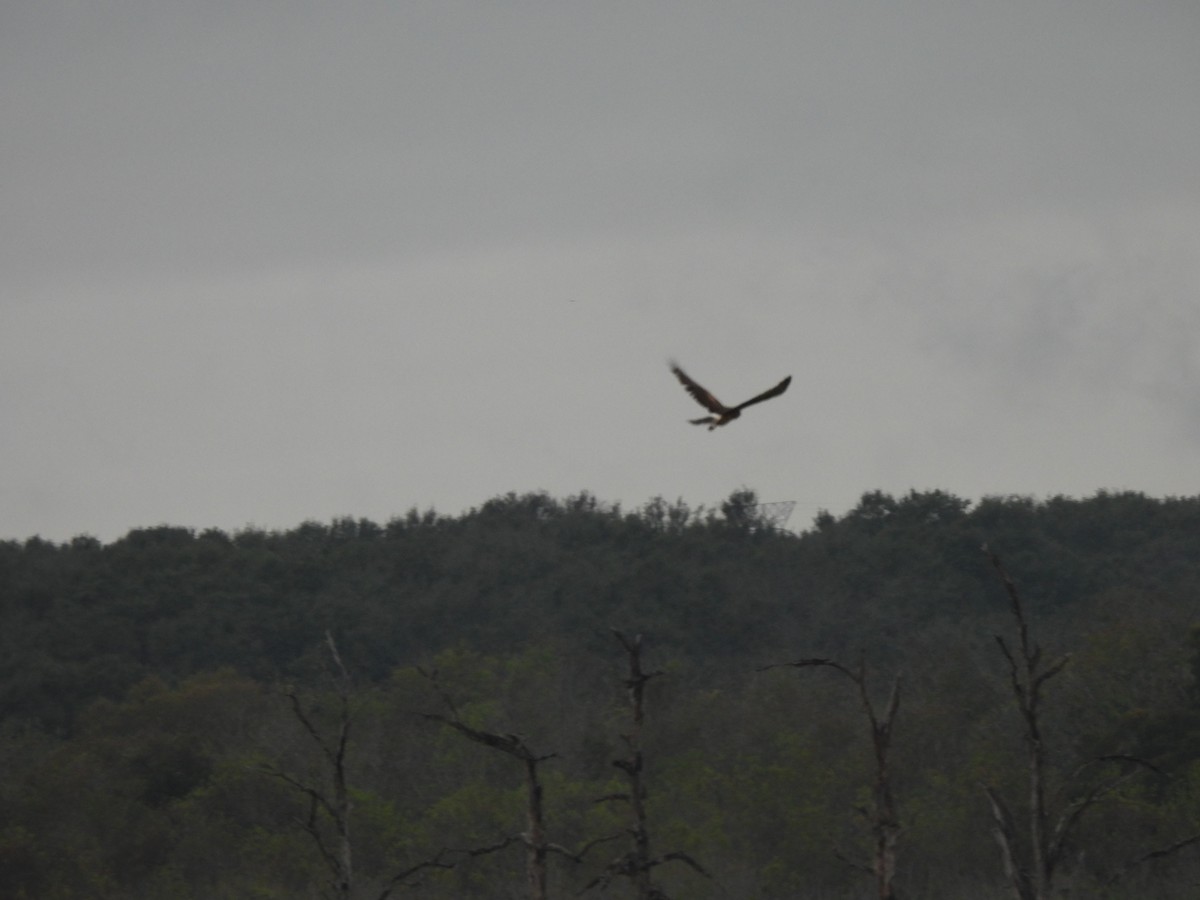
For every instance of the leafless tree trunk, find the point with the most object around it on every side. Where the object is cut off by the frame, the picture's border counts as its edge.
(640, 867)
(1031, 874)
(638, 864)
(537, 846)
(331, 802)
(883, 817)
(1033, 878)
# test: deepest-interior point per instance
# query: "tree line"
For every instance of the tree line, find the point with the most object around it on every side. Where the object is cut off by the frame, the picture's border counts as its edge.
(173, 715)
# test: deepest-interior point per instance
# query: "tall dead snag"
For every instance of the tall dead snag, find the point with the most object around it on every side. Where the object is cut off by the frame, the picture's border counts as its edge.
(537, 847)
(638, 864)
(1031, 878)
(329, 805)
(883, 817)
(1031, 869)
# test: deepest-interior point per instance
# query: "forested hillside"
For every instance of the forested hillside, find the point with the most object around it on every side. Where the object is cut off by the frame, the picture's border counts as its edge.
(173, 704)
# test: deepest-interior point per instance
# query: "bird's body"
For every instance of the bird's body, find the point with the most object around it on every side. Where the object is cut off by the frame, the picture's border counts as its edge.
(722, 414)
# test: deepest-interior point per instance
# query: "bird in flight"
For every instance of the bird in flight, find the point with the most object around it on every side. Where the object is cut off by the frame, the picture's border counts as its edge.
(722, 414)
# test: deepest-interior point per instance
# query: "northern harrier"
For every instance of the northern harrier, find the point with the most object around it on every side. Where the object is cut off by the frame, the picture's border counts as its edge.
(722, 414)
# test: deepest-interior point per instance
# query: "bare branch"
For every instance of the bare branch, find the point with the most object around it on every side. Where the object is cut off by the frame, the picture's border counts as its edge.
(683, 858)
(798, 664)
(587, 848)
(1006, 837)
(508, 743)
(300, 786)
(438, 861)
(1098, 793)
(1050, 672)
(893, 704)
(401, 879)
(431, 675)
(306, 723)
(608, 797)
(856, 866)
(493, 848)
(1160, 853)
(1135, 760)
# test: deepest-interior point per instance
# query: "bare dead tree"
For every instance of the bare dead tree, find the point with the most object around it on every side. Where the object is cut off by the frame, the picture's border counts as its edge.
(638, 864)
(1030, 877)
(537, 847)
(1031, 868)
(329, 805)
(882, 816)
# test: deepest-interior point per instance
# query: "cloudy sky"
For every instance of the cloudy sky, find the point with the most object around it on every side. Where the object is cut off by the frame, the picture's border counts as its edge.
(267, 262)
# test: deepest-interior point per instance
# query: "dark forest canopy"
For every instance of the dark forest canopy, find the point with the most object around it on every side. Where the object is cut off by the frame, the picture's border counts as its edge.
(143, 688)
(84, 620)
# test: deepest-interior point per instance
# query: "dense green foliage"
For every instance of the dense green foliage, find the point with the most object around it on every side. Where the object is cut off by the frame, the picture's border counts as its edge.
(142, 684)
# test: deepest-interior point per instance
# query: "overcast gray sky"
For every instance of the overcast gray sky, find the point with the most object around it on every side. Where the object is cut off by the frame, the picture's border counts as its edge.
(267, 262)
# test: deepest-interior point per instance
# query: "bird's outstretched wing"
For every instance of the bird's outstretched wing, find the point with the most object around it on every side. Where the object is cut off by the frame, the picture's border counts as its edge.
(707, 400)
(767, 395)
